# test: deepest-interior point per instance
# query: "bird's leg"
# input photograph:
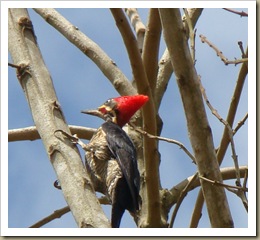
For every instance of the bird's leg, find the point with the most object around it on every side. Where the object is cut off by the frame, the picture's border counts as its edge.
(74, 139)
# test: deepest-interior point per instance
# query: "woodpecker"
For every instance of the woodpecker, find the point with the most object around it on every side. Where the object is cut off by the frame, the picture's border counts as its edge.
(111, 160)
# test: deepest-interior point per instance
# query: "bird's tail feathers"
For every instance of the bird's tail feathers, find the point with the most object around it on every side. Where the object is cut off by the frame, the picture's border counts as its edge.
(117, 213)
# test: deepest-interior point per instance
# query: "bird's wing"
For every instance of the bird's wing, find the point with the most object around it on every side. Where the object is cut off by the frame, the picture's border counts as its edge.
(124, 151)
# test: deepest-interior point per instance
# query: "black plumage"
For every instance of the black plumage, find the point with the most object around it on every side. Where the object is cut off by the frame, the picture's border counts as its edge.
(112, 166)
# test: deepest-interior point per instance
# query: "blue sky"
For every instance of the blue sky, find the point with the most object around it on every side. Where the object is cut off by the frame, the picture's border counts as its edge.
(79, 84)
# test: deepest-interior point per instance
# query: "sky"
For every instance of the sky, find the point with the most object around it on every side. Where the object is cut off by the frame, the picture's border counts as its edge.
(79, 85)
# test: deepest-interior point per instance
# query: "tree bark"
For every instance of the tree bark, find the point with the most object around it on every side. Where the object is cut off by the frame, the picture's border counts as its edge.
(48, 117)
(198, 127)
(151, 204)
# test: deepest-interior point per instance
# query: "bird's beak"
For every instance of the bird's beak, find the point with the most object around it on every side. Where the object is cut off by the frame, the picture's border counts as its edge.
(95, 112)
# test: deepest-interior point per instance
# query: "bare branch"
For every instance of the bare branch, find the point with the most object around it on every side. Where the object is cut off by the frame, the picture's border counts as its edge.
(163, 77)
(242, 194)
(60, 212)
(181, 198)
(31, 133)
(240, 44)
(220, 54)
(151, 47)
(138, 25)
(230, 131)
(240, 124)
(198, 126)
(217, 183)
(227, 173)
(48, 117)
(238, 190)
(133, 53)
(225, 137)
(56, 214)
(196, 214)
(166, 140)
(245, 178)
(242, 13)
(165, 66)
(89, 48)
(194, 14)
(192, 34)
(232, 111)
(151, 158)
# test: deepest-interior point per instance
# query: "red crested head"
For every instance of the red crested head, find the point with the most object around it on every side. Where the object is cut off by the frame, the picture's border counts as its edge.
(123, 108)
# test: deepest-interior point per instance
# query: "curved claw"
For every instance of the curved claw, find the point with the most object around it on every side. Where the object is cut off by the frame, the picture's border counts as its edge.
(73, 138)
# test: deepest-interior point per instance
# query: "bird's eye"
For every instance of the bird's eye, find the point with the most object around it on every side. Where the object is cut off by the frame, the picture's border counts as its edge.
(108, 101)
(111, 104)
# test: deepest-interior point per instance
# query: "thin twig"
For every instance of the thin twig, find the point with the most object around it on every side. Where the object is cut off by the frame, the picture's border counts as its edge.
(14, 65)
(240, 124)
(242, 13)
(180, 199)
(220, 54)
(197, 213)
(60, 212)
(225, 140)
(192, 34)
(245, 178)
(240, 44)
(242, 195)
(56, 214)
(164, 139)
(238, 190)
(224, 185)
(227, 174)
(230, 131)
